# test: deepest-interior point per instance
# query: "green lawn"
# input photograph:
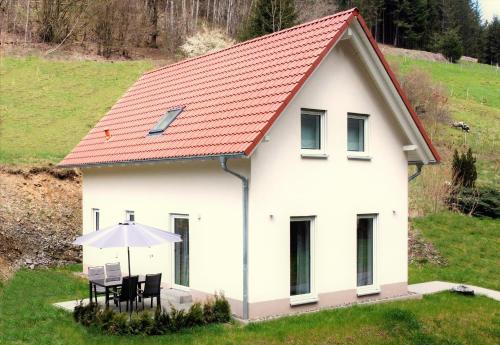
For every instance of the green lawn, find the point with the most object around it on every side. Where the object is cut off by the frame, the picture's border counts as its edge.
(27, 317)
(470, 245)
(47, 106)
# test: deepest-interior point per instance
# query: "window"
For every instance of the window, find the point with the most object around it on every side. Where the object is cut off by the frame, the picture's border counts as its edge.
(366, 254)
(130, 216)
(95, 218)
(301, 260)
(165, 121)
(312, 130)
(357, 133)
(181, 251)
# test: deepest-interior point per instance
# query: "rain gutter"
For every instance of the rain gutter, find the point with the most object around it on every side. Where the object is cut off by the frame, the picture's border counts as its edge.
(244, 181)
(417, 173)
(150, 161)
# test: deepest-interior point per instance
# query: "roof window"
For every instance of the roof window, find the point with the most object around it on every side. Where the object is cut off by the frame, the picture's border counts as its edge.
(165, 121)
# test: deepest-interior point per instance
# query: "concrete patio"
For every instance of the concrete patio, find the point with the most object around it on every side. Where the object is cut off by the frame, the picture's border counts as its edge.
(169, 298)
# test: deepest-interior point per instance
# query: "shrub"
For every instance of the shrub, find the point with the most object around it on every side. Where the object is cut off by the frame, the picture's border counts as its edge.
(478, 202)
(194, 316)
(222, 310)
(205, 41)
(163, 321)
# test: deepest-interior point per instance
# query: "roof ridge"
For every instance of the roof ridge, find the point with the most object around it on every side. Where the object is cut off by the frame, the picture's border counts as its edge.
(352, 10)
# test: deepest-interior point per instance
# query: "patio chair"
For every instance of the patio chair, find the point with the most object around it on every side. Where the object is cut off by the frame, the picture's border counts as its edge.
(151, 289)
(114, 271)
(94, 273)
(128, 292)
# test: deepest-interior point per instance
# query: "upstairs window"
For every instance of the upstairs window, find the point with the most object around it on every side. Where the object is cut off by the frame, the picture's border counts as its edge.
(312, 130)
(357, 133)
(165, 121)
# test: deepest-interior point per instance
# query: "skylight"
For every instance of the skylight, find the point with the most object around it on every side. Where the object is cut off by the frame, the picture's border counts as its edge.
(165, 121)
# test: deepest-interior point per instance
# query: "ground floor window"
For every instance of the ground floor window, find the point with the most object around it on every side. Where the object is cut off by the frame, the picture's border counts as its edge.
(365, 250)
(181, 251)
(95, 218)
(130, 216)
(300, 256)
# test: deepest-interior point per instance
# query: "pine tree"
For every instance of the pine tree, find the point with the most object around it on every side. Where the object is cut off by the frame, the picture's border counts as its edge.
(269, 16)
(450, 45)
(464, 169)
(491, 50)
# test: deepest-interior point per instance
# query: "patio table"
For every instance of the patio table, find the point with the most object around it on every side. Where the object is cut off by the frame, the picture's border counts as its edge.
(108, 283)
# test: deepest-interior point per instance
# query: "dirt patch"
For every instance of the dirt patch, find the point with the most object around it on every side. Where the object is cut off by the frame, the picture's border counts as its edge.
(413, 54)
(421, 251)
(40, 215)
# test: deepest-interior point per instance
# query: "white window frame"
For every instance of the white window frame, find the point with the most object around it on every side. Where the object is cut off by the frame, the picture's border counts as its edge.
(312, 153)
(374, 288)
(311, 297)
(174, 216)
(96, 224)
(128, 213)
(361, 155)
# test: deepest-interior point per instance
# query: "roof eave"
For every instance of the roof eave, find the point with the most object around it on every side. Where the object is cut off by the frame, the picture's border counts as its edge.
(151, 161)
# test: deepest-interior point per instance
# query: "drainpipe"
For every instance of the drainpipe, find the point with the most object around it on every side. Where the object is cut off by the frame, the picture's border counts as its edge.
(244, 180)
(417, 173)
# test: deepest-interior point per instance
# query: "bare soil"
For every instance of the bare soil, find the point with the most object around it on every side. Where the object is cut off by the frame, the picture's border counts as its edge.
(413, 54)
(40, 215)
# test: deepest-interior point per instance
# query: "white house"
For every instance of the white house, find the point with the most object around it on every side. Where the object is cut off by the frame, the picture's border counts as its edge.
(282, 162)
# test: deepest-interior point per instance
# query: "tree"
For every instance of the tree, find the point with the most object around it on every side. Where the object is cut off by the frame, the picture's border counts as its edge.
(450, 45)
(491, 50)
(464, 169)
(268, 16)
(152, 15)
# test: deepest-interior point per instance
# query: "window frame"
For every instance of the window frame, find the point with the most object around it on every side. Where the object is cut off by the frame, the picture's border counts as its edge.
(321, 152)
(365, 154)
(129, 213)
(157, 130)
(312, 296)
(96, 222)
(373, 288)
(173, 217)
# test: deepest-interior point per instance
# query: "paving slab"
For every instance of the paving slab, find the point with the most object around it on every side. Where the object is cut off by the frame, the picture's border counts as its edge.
(438, 286)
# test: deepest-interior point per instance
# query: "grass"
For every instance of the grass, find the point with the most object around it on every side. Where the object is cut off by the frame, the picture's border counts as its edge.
(474, 91)
(47, 106)
(470, 245)
(27, 317)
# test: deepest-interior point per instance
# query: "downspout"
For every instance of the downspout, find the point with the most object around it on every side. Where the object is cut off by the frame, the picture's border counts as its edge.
(244, 180)
(417, 173)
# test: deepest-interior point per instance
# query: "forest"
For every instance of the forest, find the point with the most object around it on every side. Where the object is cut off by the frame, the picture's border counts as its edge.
(452, 27)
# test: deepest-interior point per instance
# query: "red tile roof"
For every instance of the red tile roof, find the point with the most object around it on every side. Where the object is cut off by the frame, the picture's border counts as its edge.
(230, 98)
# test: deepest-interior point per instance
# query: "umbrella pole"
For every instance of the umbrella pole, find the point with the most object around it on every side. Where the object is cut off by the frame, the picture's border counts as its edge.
(129, 285)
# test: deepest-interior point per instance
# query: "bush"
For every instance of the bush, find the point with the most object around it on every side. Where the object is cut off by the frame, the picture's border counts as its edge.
(205, 41)
(478, 202)
(214, 310)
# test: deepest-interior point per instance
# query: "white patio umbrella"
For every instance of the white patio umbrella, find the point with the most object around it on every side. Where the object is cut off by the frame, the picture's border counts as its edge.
(127, 234)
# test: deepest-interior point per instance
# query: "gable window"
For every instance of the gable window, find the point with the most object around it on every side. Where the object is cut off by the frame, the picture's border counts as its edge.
(165, 121)
(130, 216)
(301, 260)
(357, 133)
(366, 254)
(95, 218)
(312, 127)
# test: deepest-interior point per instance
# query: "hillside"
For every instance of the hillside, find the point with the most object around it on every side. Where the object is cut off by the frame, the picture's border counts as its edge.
(47, 106)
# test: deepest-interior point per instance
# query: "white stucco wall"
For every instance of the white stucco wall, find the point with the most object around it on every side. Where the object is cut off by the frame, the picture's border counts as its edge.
(201, 189)
(334, 190)
(282, 185)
